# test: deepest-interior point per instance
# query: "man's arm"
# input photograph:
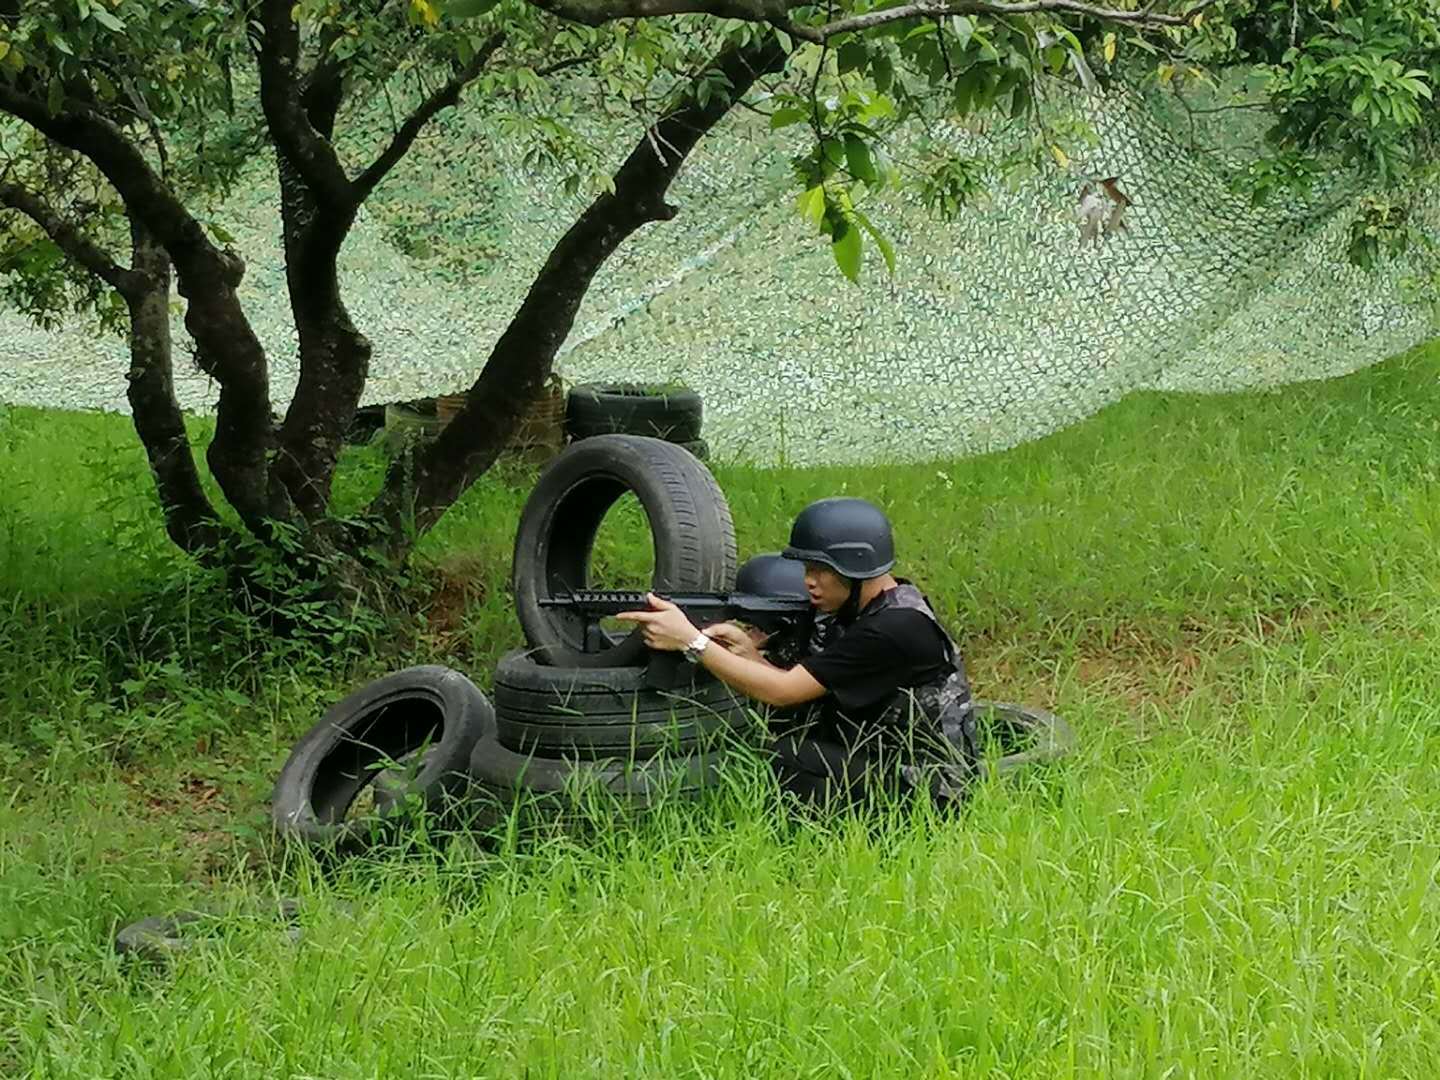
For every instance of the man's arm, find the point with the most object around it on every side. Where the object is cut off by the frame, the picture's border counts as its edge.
(666, 628)
(761, 680)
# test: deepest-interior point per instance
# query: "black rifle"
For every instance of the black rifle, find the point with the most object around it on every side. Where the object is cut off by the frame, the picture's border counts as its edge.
(788, 620)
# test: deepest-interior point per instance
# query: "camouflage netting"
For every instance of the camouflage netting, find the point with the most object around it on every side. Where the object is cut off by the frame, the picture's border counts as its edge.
(999, 327)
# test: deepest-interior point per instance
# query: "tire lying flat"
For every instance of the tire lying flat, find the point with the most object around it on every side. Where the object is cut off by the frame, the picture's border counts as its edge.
(430, 716)
(161, 938)
(500, 776)
(625, 409)
(592, 713)
(689, 520)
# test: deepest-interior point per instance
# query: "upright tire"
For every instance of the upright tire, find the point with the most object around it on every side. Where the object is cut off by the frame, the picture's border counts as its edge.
(627, 409)
(429, 715)
(594, 713)
(689, 520)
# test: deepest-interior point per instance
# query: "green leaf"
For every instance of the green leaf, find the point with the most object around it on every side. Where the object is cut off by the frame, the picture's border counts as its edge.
(887, 250)
(882, 72)
(785, 117)
(469, 9)
(851, 56)
(1020, 101)
(845, 245)
(859, 161)
(812, 205)
(105, 19)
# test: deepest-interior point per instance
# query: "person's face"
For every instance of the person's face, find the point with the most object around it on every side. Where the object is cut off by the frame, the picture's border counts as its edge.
(828, 590)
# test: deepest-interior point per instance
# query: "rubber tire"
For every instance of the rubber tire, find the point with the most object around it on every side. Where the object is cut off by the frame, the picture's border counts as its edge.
(625, 409)
(522, 683)
(160, 938)
(1051, 737)
(689, 519)
(333, 762)
(699, 447)
(605, 712)
(496, 768)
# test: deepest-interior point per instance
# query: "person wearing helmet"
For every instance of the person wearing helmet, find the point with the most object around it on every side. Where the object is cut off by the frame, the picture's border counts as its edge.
(772, 574)
(888, 704)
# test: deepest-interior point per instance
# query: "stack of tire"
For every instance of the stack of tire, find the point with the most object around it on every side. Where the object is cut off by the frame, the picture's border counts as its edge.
(575, 715)
(571, 718)
(674, 414)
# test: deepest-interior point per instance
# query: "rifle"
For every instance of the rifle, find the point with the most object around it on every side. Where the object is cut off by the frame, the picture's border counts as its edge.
(787, 620)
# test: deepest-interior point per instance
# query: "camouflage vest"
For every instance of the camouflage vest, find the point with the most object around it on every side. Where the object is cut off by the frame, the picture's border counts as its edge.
(937, 717)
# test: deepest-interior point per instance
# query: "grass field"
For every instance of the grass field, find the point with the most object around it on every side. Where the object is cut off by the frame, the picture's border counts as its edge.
(1234, 601)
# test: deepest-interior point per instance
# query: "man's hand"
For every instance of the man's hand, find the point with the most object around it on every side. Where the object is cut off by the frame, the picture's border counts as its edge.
(739, 641)
(665, 626)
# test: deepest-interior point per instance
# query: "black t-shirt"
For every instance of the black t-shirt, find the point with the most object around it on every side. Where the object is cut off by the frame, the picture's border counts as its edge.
(864, 665)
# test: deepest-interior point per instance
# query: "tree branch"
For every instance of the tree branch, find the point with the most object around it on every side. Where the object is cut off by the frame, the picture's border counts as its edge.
(68, 238)
(283, 99)
(522, 357)
(227, 345)
(445, 97)
(777, 12)
(933, 9)
(190, 519)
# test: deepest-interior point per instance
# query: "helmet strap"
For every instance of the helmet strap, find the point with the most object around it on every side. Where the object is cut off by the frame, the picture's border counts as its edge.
(851, 608)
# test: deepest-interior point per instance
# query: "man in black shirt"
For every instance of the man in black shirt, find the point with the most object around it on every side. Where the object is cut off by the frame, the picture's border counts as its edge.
(885, 694)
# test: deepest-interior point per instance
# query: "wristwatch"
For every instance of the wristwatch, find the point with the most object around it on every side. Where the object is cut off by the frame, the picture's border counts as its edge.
(696, 647)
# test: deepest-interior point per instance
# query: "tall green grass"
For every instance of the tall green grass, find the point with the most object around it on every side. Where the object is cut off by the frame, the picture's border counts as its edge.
(1232, 599)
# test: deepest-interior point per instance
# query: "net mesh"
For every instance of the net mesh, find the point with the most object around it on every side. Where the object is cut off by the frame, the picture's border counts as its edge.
(998, 327)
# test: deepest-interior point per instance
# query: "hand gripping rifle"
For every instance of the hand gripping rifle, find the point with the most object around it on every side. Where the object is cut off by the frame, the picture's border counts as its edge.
(786, 619)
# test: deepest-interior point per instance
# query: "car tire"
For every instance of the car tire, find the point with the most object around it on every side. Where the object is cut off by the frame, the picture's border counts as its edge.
(429, 714)
(628, 409)
(690, 523)
(592, 713)
(1026, 736)
(503, 774)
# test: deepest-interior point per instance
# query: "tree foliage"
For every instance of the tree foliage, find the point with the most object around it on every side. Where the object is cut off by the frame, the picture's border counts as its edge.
(127, 121)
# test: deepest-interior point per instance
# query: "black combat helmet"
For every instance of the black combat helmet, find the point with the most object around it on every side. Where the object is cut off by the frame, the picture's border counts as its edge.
(851, 536)
(771, 574)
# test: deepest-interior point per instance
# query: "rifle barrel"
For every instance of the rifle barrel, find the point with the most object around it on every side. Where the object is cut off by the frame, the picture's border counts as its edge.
(610, 601)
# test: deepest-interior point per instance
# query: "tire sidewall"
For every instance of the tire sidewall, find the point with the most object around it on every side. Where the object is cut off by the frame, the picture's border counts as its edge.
(466, 718)
(626, 460)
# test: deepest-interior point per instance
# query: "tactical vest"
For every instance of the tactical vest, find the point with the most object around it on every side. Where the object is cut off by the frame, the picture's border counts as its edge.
(937, 717)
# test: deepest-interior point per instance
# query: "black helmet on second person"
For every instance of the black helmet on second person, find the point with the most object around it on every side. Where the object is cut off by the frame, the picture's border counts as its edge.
(851, 536)
(770, 574)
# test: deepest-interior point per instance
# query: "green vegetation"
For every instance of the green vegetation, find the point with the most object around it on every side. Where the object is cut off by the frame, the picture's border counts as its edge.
(1232, 599)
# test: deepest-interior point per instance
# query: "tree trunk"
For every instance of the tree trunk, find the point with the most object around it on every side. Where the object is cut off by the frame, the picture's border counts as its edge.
(227, 347)
(334, 354)
(189, 518)
(522, 358)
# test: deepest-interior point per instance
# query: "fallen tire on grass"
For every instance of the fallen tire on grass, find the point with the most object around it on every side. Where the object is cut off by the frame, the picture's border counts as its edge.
(428, 716)
(162, 938)
(689, 521)
(1022, 736)
(563, 790)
